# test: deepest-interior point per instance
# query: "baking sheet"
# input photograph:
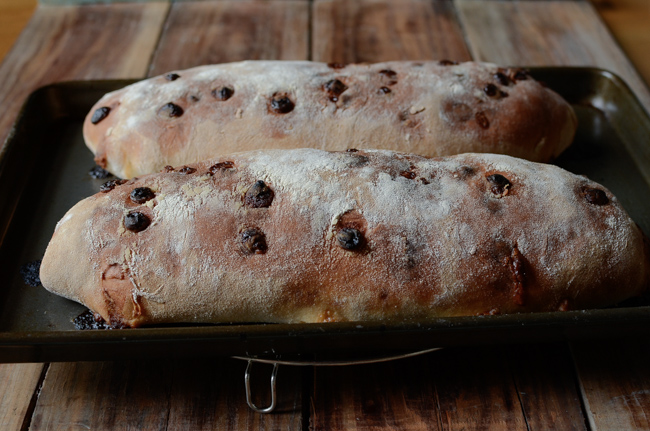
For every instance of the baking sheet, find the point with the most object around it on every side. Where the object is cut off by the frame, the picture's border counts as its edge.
(44, 171)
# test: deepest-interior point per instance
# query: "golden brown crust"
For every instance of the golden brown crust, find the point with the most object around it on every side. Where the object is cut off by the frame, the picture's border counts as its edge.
(425, 108)
(307, 235)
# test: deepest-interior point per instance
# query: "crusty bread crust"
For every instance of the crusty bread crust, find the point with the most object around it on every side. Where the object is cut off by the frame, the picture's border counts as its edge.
(427, 108)
(310, 236)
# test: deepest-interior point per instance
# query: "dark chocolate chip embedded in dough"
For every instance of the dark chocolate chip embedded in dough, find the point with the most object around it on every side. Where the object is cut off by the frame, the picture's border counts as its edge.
(223, 93)
(253, 241)
(167, 169)
(502, 78)
(491, 90)
(349, 238)
(499, 185)
(595, 196)
(385, 90)
(172, 76)
(186, 170)
(519, 75)
(335, 87)
(136, 221)
(100, 114)
(447, 63)
(336, 65)
(390, 76)
(482, 120)
(110, 185)
(140, 195)
(170, 110)
(351, 150)
(220, 166)
(281, 104)
(259, 195)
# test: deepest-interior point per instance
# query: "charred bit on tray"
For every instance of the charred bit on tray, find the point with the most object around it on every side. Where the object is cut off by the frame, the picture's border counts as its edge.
(30, 272)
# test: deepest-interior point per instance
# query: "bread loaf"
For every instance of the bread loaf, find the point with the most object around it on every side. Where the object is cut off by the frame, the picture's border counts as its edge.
(427, 108)
(313, 236)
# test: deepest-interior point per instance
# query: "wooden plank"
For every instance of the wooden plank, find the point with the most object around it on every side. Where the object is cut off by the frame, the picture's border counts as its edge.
(545, 34)
(14, 15)
(85, 42)
(19, 382)
(210, 395)
(628, 21)
(615, 381)
(199, 33)
(545, 379)
(389, 396)
(382, 30)
(162, 395)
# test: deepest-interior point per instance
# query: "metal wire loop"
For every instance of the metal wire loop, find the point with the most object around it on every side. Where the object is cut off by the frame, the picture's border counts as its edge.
(247, 379)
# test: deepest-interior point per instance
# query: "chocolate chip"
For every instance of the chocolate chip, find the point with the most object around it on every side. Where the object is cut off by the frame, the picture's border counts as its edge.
(351, 150)
(186, 170)
(99, 173)
(482, 120)
(167, 169)
(100, 114)
(223, 93)
(491, 90)
(30, 272)
(389, 75)
(220, 166)
(170, 110)
(519, 75)
(335, 88)
(259, 195)
(136, 221)
(447, 63)
(110, 185)
(499, 185)
(595, 196)
(281, 104)
(253, 241)
(349, 238)
(172, 76)
(385, 90)
(140, 195)
(336, 65)
(502, 78)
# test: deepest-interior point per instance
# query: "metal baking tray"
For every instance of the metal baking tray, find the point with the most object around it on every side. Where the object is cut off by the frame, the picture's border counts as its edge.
(44, 171)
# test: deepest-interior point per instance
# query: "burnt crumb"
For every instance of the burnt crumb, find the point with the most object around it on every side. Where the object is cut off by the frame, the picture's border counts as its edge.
(281, 104)
(100, 114)
(253, 241)
(136, 221)
(89, 320)
(335, 88)
(140, 195)
(499, 185)
(170, 110)
(259, 195)
(594, 196)
(99, 173)
(336, 65)
(172, 76)
(186, 170)
(482, 120)
(168, 169)
(502, 78)
(223, 93)
(220, 167)
(447, 63)
(384, 90)
(349, 238)
(30, 272)
(389, 76)
(110, 185)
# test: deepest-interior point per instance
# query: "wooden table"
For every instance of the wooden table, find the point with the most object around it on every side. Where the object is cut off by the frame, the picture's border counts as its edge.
(585, 385)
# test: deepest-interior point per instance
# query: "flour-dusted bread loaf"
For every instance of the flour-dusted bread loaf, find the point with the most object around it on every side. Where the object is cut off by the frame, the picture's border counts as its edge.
(311, 236)
(427, 108)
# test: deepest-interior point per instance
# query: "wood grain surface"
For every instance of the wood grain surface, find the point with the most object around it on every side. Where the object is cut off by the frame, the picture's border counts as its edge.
(19, 383)
(198, 33)
(382, 30)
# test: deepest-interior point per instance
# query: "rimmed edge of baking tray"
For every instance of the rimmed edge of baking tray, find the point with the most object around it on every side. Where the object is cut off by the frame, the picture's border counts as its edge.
(52, 104)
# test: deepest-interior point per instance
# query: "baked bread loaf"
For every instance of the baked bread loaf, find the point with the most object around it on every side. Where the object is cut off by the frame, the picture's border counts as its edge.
(427, 108)
(313, 236)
